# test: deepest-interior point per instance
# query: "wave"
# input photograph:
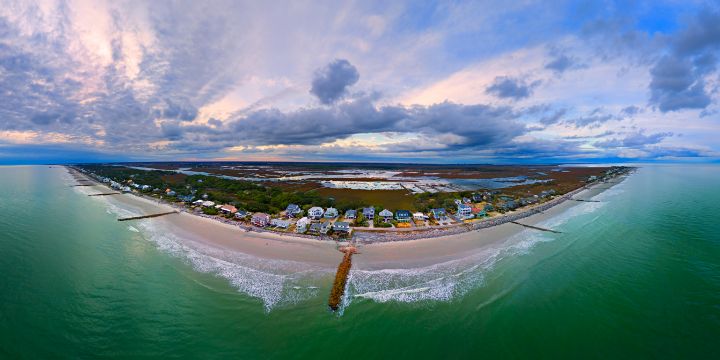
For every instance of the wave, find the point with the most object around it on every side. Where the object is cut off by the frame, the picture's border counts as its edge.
(278, 283)
(452, 279)
(274, 282)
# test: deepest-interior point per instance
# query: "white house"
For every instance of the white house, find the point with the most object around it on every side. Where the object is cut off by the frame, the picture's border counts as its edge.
(419, 216)
(464, 210)
(315, 213)
(302, 225)
(386, 215)
(284, 224)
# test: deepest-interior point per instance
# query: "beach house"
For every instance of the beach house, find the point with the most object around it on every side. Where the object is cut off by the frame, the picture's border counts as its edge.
(260, 219)
(315, 228)
(403, 216)
(301, 225)
(325, 227)
(438, 213)
(386, 215)
(351, 214)
(228, 209)
(331, 213)
(464, 211)
(419, 216)
(369, 213)
(315, 213)
(341, 226)
(241, 214)
(292, 210)
(280, 223)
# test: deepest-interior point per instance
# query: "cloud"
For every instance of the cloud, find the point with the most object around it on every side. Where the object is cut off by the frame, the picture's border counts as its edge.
(513, 88)
(477, 125)
(634, 140)
(678, 77)
(195, 80)
(676, 85)
(593, 119)
(331, 82)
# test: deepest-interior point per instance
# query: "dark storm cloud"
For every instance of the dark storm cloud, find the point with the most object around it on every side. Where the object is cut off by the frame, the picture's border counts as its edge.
(677, 85)
(476, 124)
(513, 88)
(678, 78)
(331, 82)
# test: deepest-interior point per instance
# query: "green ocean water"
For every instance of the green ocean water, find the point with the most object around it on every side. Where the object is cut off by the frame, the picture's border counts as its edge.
(636, 276)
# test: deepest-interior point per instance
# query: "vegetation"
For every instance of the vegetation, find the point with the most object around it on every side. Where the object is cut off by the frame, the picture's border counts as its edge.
(210, 211)
(245, 195)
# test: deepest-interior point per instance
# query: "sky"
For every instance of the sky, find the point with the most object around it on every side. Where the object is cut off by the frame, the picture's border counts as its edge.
(372, 81)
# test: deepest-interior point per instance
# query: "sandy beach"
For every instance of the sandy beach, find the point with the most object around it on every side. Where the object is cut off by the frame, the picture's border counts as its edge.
(324, 254)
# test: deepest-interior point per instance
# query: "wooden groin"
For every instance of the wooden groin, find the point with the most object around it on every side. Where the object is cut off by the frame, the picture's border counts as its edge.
(148, 216)
(536, 227)
(103, 194)
(583, 200)
(82, 185)
(338, 289)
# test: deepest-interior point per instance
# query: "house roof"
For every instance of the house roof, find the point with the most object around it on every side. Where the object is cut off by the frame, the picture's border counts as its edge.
(341, 225)
(386, 212)
(229, 208)
(402, 213)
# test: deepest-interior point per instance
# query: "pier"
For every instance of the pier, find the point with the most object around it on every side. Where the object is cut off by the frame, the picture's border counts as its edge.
(148, 216)
(104, 194)
(536, 227)
(338, 289)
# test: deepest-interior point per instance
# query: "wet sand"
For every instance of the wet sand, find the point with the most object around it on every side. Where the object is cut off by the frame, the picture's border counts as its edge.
(324, 254)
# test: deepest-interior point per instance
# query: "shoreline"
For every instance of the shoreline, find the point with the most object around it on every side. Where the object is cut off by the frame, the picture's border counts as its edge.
(408, 252)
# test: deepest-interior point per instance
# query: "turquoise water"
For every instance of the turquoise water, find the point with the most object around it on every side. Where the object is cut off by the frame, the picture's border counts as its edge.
(636, 276)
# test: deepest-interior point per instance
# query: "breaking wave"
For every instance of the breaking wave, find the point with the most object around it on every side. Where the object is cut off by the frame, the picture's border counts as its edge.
(274, 282)
(278, 283)
(452, 279)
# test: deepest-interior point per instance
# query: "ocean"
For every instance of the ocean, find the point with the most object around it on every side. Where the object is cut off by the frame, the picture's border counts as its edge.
(636, 275)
